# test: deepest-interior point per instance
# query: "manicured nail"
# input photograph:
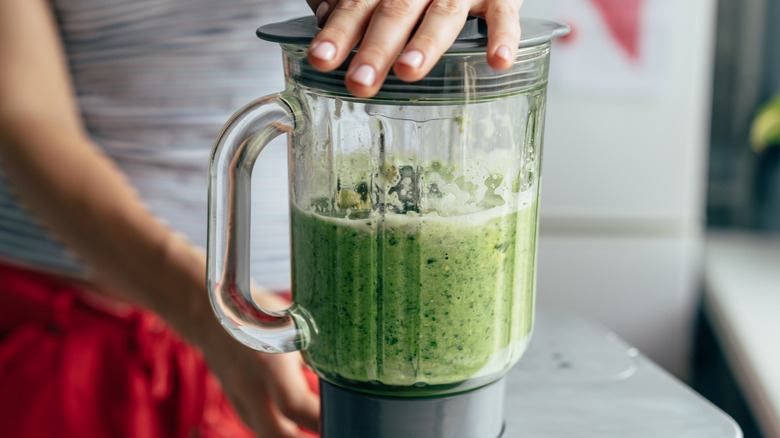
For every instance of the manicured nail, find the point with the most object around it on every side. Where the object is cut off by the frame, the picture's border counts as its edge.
(364, 75)
(322, 9)
(412, 58)
(504, 53)
(323, 50)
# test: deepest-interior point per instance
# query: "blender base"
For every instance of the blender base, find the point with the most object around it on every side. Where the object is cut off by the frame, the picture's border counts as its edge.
(475, 414)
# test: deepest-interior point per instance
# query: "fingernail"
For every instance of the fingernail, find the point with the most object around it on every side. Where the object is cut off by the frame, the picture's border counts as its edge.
(323, 50)
(364, 75)
(503, 52)
(412, 58)
(322, 9)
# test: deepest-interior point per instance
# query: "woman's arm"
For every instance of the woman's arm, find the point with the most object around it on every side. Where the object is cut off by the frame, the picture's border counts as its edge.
(69, 184)
(84, 200)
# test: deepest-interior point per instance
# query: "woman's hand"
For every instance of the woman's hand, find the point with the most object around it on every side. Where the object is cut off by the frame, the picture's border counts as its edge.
(272, 395)
(269, 392)
(386, 28)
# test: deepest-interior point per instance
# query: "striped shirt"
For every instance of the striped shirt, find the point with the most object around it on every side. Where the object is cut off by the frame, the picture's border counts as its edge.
(155, 81)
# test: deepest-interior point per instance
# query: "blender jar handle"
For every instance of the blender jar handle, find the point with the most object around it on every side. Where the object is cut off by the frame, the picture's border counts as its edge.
(230, 171)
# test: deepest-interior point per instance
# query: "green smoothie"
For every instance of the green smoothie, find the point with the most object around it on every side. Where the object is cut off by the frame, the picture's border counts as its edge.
(405, 301)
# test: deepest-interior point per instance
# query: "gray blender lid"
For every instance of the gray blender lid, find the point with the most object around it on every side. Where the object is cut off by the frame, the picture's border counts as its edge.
(473, 37)
(462, 73)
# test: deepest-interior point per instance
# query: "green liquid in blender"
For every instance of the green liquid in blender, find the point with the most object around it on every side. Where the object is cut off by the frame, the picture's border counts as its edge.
(416, 303)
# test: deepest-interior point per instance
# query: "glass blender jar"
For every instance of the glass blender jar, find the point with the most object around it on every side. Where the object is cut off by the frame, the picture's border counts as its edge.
(413, 231)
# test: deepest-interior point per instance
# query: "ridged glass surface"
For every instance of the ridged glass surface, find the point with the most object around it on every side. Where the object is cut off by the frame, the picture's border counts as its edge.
(414, 239)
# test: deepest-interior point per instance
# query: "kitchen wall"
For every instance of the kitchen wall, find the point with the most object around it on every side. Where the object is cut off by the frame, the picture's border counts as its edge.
(624, 171)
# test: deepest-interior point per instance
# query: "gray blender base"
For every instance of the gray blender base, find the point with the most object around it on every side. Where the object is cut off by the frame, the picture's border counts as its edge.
(348, 414)
(578, 379)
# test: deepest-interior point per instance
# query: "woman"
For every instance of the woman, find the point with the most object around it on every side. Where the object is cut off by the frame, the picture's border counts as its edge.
(107, 117)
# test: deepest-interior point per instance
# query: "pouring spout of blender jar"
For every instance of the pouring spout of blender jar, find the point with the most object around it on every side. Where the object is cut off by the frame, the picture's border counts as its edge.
(230, 171)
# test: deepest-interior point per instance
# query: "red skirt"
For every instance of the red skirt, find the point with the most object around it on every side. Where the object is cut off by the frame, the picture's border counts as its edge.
(70, 368)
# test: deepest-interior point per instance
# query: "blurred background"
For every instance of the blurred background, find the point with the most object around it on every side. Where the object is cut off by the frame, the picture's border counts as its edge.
(660, 217)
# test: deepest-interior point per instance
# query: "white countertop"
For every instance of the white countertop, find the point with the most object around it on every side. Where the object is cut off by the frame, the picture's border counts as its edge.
(580, 380)
(742, 299)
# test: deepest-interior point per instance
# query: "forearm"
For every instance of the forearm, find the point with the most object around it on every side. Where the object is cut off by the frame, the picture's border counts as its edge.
(75, 190)
(86, 203)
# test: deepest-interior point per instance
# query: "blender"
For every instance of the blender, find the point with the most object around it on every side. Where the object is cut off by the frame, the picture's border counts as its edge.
(413, 232)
